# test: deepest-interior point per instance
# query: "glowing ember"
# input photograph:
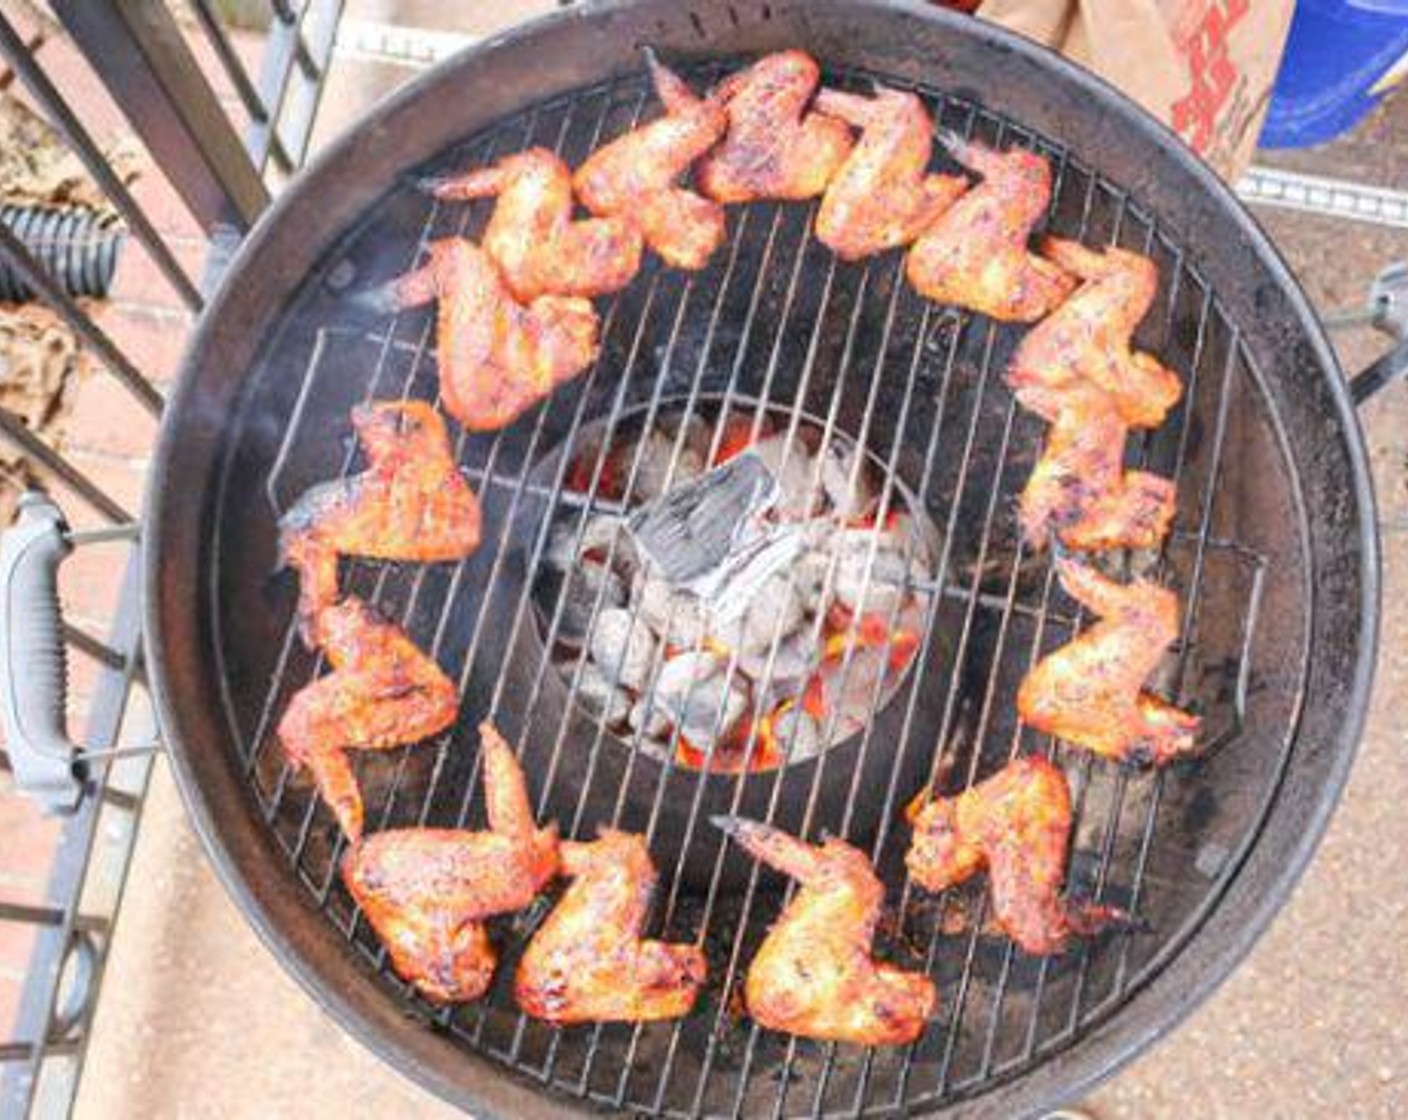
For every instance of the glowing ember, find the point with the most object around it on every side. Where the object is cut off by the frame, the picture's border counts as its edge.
(807, 624)
(738, 437)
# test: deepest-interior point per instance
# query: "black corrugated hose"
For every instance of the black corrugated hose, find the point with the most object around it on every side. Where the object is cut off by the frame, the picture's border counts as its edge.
(77, 245)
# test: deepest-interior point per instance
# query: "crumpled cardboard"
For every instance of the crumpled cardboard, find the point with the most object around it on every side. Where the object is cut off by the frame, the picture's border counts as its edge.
(1203, 67)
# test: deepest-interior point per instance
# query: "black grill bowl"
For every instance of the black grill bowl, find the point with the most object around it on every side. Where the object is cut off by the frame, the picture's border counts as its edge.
(1274, 555)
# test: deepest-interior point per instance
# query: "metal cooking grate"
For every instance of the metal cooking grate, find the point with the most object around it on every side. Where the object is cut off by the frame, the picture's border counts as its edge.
(775, 319)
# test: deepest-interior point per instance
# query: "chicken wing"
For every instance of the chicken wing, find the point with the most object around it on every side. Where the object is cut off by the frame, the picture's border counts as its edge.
(533, 238)
(1090, 691)
(814, 974)
(635, 176)
(383, 692)
(427, 891)
(588, 962)
(1017, 825)
(1087, 339)
(1080, 490)
(498, 357)
(976, 256)
(411, 503)
(774, 147)
(882, 197)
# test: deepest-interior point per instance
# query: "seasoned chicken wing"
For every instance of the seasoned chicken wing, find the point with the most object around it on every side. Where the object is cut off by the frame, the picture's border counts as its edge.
(976, 256)
(1087, 339)
(533, 238)
(427, 891)
(498, 357)
(382, 692)
(1017, 825)
(588, 963)
(814, 974)
(1080, 489)
(636, 175)
(411, 503)
(882, 196)
(1090, 691)
(774, 147)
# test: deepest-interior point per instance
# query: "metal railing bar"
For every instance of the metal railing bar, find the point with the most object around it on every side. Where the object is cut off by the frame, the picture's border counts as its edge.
(39, 1000)
(325, 39)
(141, 56)
(57, 110)
(30, 915)
(230, 60)
(275, 72)
(281, 53)
(120, 799)
(14, 431)
(17, 254)
(93, 647)
(15, 1052)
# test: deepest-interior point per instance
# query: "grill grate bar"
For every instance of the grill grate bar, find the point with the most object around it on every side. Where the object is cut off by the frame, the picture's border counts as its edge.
(832, 1050)
(730, 391)
(999, 995)
(260, 737)
(1192, 596)
(444, 740)
(1179, 269)
(652, 411)
(769, 381)
(932, 613)
(758, 413)
(847, 664)
(829, 730)
(877, 692)
(1063, 167)
(313, 805)
(322, 886)
(754, 302)
(960, 1000)
(947, 726)
(628, 1065)
(541, 538)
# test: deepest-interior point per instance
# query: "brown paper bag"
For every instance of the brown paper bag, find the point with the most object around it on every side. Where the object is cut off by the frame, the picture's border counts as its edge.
(1203, 67)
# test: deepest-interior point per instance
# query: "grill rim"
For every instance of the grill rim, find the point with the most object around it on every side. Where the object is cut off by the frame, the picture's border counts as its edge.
(177, 562)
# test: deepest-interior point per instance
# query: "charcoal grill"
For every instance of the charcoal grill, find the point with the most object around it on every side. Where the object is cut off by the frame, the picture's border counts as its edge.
(1273, 553)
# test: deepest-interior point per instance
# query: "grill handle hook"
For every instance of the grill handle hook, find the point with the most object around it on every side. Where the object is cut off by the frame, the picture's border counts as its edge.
(33, 661)
(1392, 367)
(1386, 310)
(47, 765)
